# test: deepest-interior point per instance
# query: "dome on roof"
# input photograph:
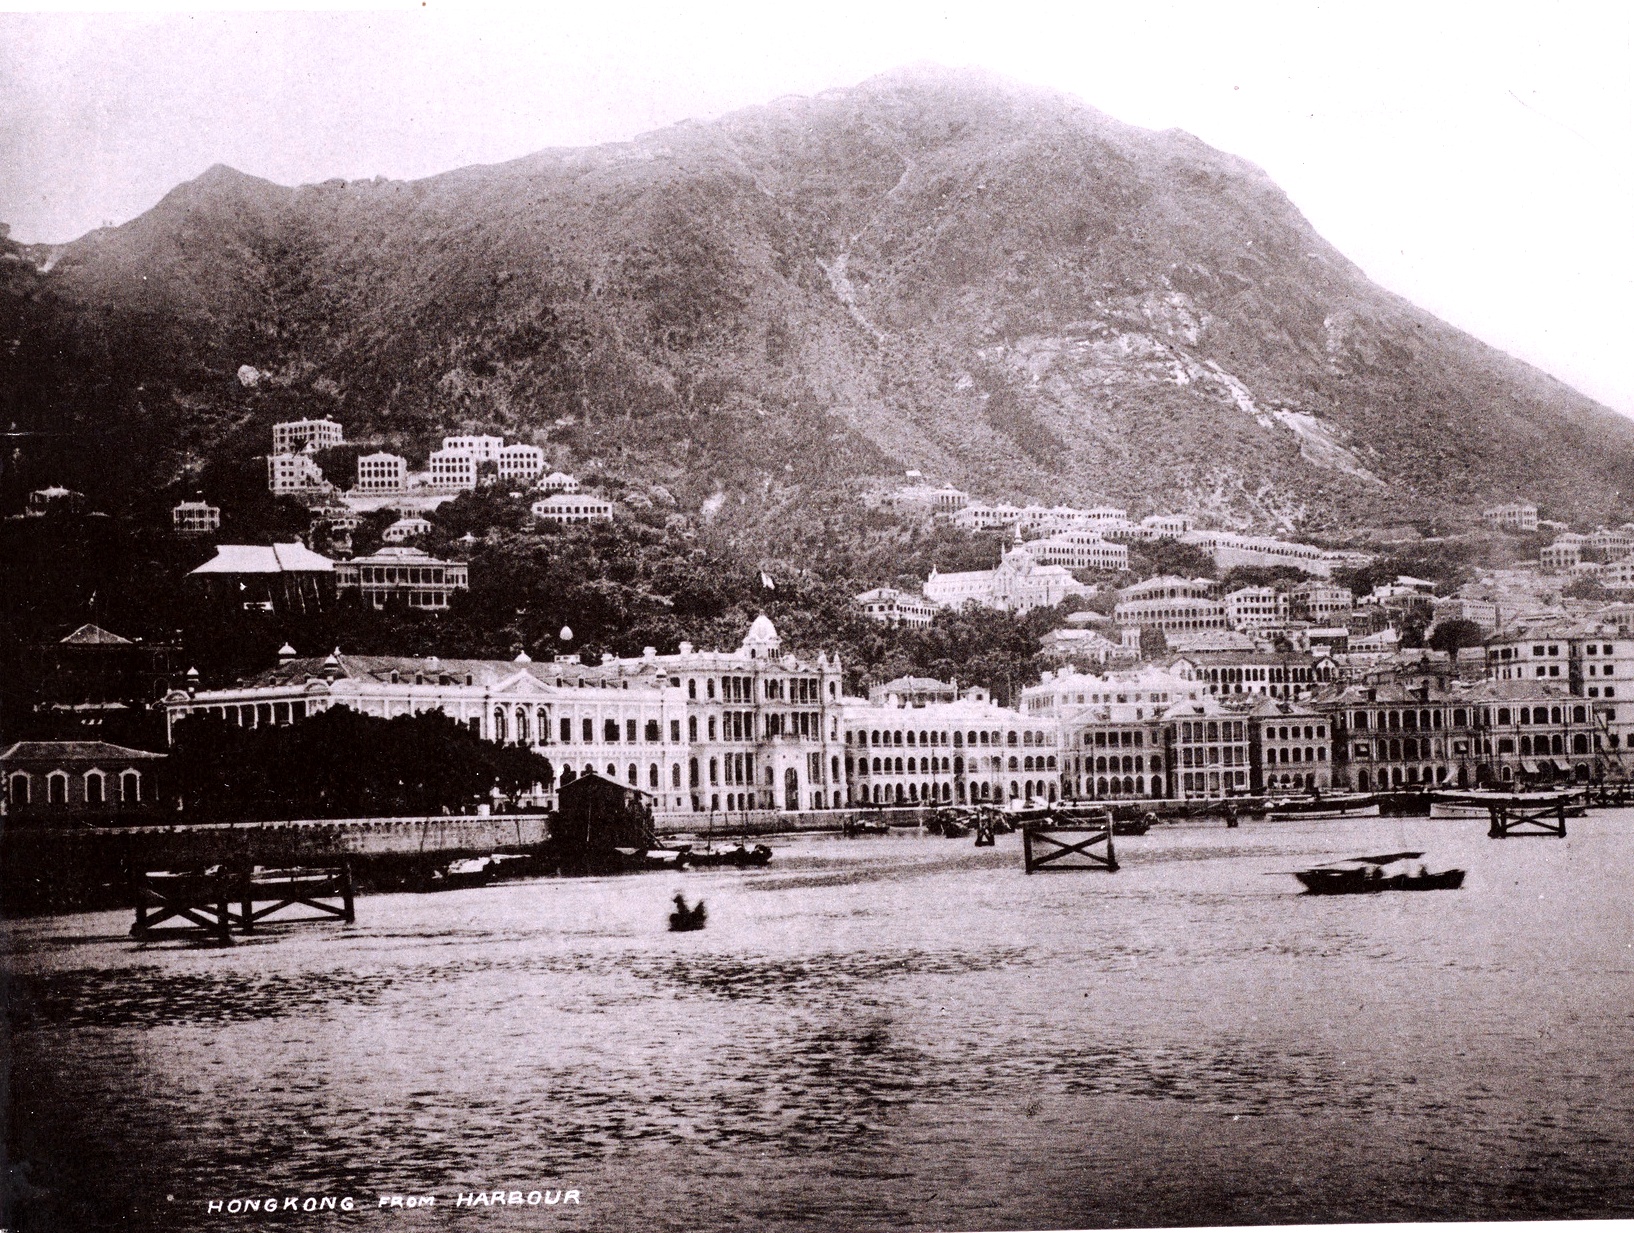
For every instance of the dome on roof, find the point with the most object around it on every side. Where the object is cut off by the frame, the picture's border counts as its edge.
(522, 657)
(762, 639)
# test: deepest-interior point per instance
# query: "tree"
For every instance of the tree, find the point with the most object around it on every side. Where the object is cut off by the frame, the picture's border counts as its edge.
(1452, 636)
(341, 764)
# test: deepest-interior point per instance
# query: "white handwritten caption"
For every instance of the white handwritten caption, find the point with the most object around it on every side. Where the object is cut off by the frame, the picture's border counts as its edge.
(331, 1203)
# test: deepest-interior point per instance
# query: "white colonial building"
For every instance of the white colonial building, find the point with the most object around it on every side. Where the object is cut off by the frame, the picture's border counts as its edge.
(294, 436)
(453, 469)
(573, 507)
(889, 606)
(381, 473)
(1019, 584)
(523, 462)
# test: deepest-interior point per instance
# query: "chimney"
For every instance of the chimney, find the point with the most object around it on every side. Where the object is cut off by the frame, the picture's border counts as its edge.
(686, 648)
(649, 652)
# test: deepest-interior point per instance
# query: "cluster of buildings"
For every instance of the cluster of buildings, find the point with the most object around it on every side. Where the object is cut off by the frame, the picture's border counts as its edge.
(291, 579)
(461, 465)
(757, 728)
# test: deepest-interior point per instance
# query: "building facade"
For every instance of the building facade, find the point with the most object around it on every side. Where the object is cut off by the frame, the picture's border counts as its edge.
(1518, 516)
(452, 470)
(402, 575)
(521, 462)
(294, 436)
(889, 606)
(381, 473)
(287, 473)
(571, 507)
(195, 518)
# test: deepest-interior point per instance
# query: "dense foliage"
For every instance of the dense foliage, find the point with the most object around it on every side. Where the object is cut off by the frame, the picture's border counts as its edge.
(340, 764)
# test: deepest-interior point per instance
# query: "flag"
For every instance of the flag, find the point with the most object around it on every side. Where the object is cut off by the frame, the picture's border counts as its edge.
(766, 583)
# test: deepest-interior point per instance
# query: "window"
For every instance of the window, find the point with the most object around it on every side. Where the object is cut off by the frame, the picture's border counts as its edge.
(589, 731)
(567, 731)
(93, 787)
(629, 730)
(17, 789)
(652, 732)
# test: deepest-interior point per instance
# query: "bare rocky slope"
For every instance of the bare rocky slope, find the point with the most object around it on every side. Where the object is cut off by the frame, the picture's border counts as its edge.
(999, 286)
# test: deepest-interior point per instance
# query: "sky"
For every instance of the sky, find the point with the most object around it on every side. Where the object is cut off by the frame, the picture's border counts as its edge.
(1476, 159)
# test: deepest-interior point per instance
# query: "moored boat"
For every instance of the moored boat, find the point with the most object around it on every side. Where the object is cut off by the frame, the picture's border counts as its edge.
(1478, 802)
(1323, 805)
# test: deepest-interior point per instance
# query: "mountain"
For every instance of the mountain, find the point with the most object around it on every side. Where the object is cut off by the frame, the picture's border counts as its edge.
(996, 285)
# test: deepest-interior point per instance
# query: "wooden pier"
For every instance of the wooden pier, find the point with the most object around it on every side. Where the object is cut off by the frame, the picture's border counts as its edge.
(1055, 845)
(1511, 820)
(219, 900)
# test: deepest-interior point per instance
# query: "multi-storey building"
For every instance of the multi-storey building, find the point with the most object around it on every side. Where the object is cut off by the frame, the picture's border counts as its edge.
(1019, 584)
(1085, 649)
(481, 448)
(1564, 553)
(281, 578)
(1262, 670)
(522, 462)
(1495, 733)
(293, 436)
(704, 731)
(402, 575)
(567, 507)
(1322, 602)
(984, 517)
(1519, 516)
(195, 518)
(380, 473)
(1206, 750)
(1252, 607)
(1084, 549)
(962, 752)
(405, 529)
(1231, 550)
(556, 481)
(288, 473)
(1170, 604)
(889, 606)
(453, 470)
(1113, 733)
(1288, 748)
(923, 497)
(1482, 612)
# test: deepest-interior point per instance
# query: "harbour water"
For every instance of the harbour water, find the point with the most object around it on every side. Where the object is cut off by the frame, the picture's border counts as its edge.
(889, 1032)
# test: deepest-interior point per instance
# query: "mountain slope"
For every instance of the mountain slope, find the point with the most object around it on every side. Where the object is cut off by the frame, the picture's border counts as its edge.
(997, 285)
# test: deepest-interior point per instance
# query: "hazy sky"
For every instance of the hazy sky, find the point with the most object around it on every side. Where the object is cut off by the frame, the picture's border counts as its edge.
(1473, 158)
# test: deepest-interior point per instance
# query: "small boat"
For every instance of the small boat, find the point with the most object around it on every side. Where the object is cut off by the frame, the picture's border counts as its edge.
(736, 856)
(1321, 805)
(854, 828)
(685, 919)
(1365, 875)
(1478, 802)
(473, 871)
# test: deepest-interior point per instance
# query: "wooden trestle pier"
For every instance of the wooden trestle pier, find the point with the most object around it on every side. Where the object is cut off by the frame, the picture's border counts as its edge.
(1066, 846)
(221, 899)
(1511, 820)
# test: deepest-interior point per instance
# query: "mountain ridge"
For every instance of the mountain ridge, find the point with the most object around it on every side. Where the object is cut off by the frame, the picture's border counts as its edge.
(988, 282)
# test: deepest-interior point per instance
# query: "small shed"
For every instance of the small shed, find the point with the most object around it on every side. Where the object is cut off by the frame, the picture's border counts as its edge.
(595, 817)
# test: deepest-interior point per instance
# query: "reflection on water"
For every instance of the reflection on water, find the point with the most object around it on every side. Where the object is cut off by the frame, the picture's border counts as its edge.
(871, 1033)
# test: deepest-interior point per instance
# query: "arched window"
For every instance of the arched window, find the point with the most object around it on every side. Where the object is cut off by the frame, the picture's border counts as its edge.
(544, 725)
(17, 789)
(93, 787)
(499, 723)
(675, 775)
(567, 775)
(652, 775)
(56, 788)
(522, 725)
